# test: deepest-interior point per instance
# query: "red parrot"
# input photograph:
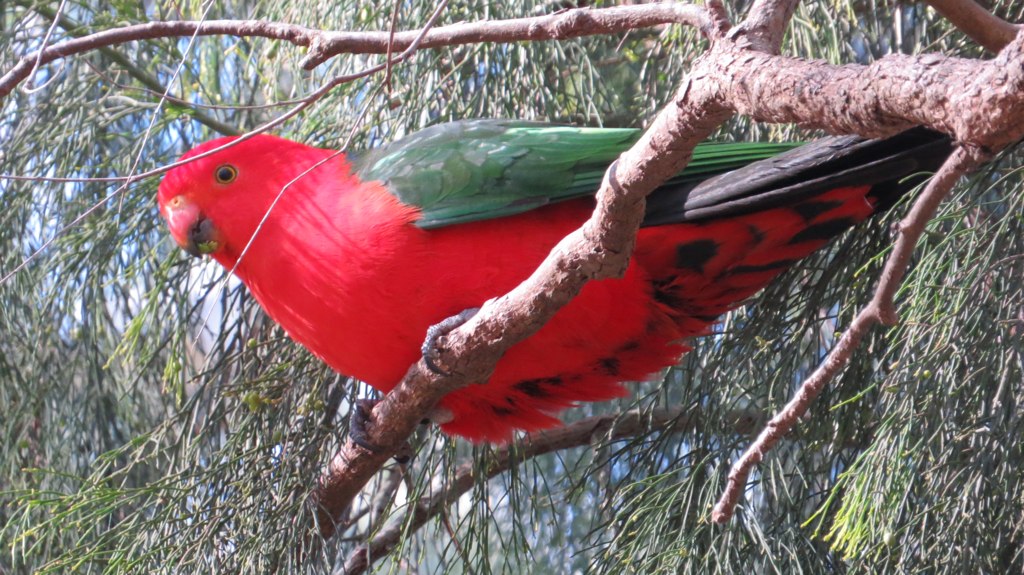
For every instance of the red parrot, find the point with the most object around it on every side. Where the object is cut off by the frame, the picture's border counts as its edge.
(356, 255)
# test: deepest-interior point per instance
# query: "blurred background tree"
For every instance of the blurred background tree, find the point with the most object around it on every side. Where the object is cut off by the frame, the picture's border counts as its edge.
(155, 421)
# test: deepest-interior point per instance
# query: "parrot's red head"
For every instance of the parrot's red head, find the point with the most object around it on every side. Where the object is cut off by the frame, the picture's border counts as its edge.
(215, 204)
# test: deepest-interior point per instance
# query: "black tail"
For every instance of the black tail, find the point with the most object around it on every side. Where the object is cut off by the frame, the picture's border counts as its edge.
(892, 167)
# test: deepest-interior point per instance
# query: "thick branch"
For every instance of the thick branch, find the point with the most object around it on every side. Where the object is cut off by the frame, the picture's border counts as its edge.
(766, 24)
(878, 310)
(981, 25)
(979, 103)
(323, 45)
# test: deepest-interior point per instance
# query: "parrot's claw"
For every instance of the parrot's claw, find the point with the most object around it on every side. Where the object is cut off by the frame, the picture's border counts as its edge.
(438, 330)
(359, 423)
(404, 454)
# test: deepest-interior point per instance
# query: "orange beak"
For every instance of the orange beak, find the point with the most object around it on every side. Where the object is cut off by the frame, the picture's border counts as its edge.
(189, 227)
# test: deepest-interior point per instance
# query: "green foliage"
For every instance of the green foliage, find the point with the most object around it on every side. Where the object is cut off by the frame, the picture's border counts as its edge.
(155, 421)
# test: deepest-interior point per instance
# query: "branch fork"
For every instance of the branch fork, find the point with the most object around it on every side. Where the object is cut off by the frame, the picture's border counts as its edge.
(740, 73)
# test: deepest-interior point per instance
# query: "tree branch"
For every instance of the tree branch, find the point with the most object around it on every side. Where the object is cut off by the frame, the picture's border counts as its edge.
(979, 24)
(979, 103)
(766, 24)
(562, 25)
(610, 427)
(146, 79)
(600, 249)
(880, 309)
(878, 100)
(299, 106)
(630, 424)
(323, 45)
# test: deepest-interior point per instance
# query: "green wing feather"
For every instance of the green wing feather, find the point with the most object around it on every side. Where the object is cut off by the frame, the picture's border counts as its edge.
(481, 169)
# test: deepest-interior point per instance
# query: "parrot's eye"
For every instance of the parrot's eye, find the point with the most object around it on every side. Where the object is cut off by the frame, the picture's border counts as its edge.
(225, 174)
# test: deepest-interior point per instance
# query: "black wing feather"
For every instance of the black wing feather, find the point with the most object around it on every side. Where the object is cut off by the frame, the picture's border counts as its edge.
(891, 166)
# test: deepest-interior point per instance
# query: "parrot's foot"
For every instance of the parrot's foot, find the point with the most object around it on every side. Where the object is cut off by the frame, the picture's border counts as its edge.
(359, 423)
(438, 330)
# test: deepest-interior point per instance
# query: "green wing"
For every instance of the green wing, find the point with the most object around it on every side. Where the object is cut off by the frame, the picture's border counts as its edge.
(481, 169)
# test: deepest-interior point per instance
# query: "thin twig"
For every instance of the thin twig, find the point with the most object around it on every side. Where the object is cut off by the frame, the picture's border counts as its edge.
(879, 310)
(153, 86)
(584, 432)
(391, 45)
(46, 41)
